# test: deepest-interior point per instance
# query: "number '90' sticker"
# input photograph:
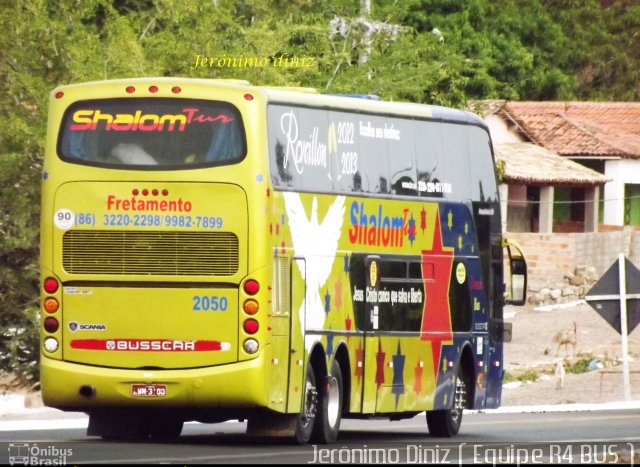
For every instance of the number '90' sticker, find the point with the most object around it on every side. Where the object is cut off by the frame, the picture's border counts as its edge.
(64, 219)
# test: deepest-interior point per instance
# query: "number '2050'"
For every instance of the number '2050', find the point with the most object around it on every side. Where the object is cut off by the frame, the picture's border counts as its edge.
(210, 303)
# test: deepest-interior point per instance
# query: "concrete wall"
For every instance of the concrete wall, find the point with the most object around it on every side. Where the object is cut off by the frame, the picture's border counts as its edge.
(552, 256)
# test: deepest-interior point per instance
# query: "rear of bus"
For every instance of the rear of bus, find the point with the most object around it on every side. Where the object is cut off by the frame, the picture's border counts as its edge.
(150, 298)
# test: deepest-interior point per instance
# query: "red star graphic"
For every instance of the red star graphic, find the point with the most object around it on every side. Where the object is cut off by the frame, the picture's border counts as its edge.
(423, 219)
(380, 365)
(359, 362)
(347, 325)
(436, 316)
(417, 384)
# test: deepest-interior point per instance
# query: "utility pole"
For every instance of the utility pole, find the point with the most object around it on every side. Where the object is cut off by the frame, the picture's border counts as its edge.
(367, 38)
(362, 32)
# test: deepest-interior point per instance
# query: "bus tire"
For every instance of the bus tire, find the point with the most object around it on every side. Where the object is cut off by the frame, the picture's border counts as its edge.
(306, 419)
(330, 407)
(446, 423)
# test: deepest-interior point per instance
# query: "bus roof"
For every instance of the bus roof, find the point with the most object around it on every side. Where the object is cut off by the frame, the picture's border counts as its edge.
(371, 105)
(305, 97)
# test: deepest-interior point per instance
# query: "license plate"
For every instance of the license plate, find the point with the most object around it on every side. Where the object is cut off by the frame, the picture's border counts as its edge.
(149, 390)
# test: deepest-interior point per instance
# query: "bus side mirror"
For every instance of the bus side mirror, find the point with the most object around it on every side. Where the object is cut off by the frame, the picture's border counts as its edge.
(517, 294)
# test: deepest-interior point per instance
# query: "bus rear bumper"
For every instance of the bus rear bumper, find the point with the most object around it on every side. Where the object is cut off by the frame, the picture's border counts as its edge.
(72, 386)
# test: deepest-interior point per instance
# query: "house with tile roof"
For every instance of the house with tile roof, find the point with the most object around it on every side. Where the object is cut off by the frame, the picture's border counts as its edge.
(601, 137)
(532, 178)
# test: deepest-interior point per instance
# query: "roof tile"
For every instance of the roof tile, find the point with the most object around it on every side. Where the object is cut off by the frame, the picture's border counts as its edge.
(600, 129)
(550, 169)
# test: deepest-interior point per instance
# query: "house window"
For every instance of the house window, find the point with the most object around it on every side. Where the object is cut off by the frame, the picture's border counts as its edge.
(631, 204)
(568, 209)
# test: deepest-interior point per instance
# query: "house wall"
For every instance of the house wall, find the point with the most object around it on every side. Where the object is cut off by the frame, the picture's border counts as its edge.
(501, 133)
(552, 256)
(621, 172)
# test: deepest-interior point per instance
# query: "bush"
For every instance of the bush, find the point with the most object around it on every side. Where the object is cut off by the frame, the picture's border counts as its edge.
(528, 376)
(588, 362)
(19, 349)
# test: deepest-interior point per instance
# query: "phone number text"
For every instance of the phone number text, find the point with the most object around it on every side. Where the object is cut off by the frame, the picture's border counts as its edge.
(152, 220)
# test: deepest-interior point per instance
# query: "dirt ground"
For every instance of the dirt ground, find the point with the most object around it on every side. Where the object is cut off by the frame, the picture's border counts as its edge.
(534, 332)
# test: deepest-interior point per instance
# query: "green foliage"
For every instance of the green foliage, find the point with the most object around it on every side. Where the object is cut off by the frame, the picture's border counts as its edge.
(20, 344)
(586, 362)
(529, 375)
(507, 49)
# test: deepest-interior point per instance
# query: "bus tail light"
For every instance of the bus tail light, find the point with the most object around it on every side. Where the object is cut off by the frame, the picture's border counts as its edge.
(51, 325)
(176, 89)
(250, 307)
(50, 305)
(251, 326)
(251, 287)
(50, 344)
(250, 346)
(50, 285)
(130, 89)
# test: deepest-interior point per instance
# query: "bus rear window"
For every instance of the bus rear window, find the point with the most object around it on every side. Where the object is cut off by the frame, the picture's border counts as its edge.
(152, 133)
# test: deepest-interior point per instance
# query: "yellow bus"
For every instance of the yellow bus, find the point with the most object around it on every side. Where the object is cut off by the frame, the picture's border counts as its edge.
(213, 250)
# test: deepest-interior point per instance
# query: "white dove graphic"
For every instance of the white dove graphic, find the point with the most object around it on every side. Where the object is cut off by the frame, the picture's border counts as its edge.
(317, 243)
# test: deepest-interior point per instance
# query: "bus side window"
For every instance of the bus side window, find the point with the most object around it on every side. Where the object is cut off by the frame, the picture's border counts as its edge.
(456, 160)
(459, 302)
(402, 308)
(429, 158)
(357, 278)
(486, 189)
(400, 149)
(372, 156)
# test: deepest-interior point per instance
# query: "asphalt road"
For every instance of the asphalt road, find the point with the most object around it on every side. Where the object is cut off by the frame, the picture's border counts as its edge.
(556, 437)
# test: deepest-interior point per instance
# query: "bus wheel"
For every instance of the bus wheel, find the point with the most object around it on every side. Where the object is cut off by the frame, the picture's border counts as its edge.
(330, 407)
(307, 417)
(446, 423)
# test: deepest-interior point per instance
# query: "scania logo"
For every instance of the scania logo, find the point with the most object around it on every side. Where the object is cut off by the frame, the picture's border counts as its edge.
(75, 326)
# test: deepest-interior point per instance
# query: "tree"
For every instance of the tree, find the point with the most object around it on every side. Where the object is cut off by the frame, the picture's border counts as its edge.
(430, 51)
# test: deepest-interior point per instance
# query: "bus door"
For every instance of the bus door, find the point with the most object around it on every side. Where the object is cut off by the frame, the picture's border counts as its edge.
(297, 355)
(371, 334)
(286, 354)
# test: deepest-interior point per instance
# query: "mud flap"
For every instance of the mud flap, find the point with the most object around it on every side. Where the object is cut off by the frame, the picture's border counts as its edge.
(273, 425)
(117, 424)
